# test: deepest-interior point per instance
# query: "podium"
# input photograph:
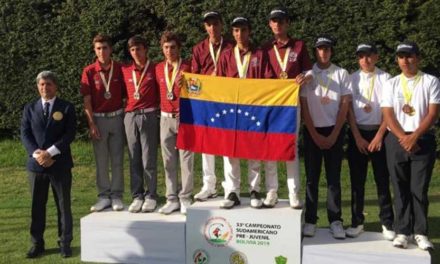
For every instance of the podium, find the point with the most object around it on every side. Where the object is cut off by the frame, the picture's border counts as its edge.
(243, 234)
(123, 237)
(368, 248)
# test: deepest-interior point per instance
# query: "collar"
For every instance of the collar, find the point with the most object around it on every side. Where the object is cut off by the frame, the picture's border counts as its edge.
(51, 101)
(318, 70)
(367, 75)
(290, 42)
(98, 66)
(133, 66)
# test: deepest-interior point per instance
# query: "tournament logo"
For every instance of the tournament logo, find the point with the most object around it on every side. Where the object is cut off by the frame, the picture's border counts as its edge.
(218, 232)
(200, 257)
(194, 86)
(280, 260)
(57, 116)
(238, 257)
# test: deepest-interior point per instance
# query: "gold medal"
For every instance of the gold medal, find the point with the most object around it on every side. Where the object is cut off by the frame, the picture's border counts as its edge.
(368, 108)
(325, 100)
(409, 110)
(283, 75)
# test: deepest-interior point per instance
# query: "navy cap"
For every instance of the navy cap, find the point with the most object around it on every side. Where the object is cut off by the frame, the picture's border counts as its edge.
(408, 47)
(240, 21)
(324, 41)
(211, 14)
(366, 48)
(279, 13)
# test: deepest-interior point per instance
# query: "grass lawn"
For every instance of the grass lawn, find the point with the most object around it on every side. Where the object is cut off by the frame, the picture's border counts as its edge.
(15, 202)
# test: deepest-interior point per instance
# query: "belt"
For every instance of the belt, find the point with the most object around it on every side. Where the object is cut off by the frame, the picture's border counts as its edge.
(171, 115)
(109, 114)
(368, 127)
(143, 111)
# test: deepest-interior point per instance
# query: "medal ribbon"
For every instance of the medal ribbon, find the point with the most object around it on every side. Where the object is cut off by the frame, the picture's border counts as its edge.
(136, 84)
(408, 93)
(104, 81)
(324, 88)
(242, 66)
(214, 55)
(282, 63)
(368, 92)
(169, 82)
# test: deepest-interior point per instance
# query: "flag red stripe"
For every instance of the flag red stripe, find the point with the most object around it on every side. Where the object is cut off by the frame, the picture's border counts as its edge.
(238, 144)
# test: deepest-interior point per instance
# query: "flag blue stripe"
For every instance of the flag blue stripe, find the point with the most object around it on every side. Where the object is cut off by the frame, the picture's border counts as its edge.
(268, 119)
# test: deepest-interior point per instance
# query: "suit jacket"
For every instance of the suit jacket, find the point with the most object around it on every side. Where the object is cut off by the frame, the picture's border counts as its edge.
(59, 130)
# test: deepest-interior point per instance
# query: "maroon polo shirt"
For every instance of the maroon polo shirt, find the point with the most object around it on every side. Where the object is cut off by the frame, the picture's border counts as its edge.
(148, 90)
(170, 106)
(202, 62)
(91, 84)
(298, 61)
(259, 67)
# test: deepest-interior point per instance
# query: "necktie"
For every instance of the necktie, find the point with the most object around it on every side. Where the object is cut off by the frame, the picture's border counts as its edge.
(46, 110)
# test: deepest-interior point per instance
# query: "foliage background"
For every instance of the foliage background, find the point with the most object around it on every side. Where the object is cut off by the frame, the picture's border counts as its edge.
(36, 35)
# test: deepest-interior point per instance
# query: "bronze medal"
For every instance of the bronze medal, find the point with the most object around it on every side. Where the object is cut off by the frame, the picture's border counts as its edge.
(170, 96)
(325, 100)
(283, 75)
(107, 95)
(136, 96)
(368, 108)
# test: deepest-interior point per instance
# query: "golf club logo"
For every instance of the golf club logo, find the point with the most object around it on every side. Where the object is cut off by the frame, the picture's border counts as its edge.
(218, 232)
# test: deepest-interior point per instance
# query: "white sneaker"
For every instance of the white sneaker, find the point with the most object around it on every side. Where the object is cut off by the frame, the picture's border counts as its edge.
(388, 234)
(205, 194)
(294, 201)
(401, 241)
(135, 206)
(271, 199)
(337, 229)
(231, 201)
(354, 231)
(149, 205)
(256, 200)
(169, 207)
(309, 230)
(184, 204)
(117, 204)
(101, 205)
(423, 242)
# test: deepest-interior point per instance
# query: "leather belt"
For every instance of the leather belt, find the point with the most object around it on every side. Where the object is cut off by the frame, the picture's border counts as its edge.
(143, 111)
(109, 114)
(170, 115)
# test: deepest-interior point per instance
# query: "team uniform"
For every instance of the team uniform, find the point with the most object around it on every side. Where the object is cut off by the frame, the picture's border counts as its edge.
(107, 90)
(295, 58)
(367, 89)
(169, 124)
(258, 68)
(204, 62)
(411, 172)
(323, 96)
(142, 129)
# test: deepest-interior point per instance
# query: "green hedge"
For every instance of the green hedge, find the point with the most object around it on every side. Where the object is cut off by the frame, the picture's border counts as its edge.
(54, 34)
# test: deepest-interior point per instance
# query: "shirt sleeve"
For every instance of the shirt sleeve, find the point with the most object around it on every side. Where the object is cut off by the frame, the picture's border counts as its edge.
(387, 95)
(434, 92)
(195, 64)
(53, 150)
(306, 63)
(345, 83)
(85, 84)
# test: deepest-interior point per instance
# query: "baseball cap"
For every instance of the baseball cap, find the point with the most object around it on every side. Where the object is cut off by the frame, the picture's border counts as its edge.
(366, 48)
(324, 40)
(211, 14)
(240, 21)
(408, 47)
(278, 13)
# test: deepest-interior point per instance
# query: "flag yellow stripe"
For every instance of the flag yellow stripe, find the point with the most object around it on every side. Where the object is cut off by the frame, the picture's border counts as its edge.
(264, 92)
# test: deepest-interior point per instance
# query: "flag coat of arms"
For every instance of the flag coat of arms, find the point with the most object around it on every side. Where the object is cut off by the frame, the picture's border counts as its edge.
(239, 118)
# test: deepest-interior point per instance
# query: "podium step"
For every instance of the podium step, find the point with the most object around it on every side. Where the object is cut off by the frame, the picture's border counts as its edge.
(123, 237)
(368, 248)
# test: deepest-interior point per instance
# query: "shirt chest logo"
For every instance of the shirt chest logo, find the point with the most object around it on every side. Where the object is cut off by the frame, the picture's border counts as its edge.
(293, 56)
(254, 62)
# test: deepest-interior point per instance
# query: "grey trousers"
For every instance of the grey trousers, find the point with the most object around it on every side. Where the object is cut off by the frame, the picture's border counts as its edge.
(142, 139)
(171, 155)
(109, 148)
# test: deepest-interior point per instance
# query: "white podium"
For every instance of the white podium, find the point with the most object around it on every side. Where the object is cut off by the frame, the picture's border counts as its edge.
(243, 234)
(368, 248)
(123, 237)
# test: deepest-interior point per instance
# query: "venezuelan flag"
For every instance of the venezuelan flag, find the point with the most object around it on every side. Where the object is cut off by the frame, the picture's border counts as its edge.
(240, 118)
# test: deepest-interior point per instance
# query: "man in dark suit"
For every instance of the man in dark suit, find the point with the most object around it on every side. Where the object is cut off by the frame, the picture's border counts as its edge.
(47, 129)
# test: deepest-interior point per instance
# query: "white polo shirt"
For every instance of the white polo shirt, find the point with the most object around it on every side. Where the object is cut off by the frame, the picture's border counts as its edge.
(426, 92)
(325, 115)
(367, 90)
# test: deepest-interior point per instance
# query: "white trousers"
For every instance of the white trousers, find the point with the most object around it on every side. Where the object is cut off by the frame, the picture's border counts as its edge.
(208, 168)
(292, 167)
